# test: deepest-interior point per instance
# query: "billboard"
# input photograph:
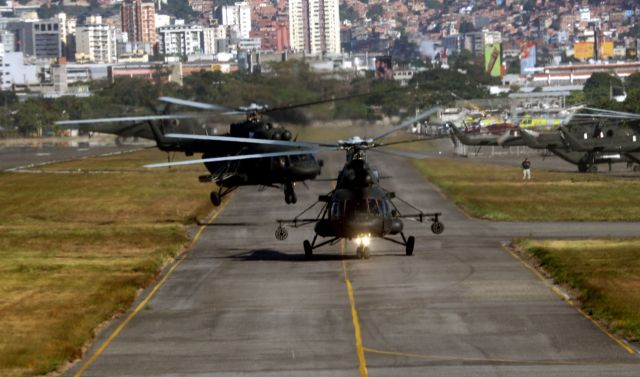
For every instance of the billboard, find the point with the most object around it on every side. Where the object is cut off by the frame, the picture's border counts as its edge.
(492, 61)
(527, 57)
(606, 50)
(583, 50)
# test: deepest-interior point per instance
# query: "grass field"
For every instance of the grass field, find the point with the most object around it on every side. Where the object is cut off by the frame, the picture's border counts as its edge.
(498, 193)
(604, 273)
(77, 247)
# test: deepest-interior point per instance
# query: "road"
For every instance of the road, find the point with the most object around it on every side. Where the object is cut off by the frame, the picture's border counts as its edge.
(244, 304)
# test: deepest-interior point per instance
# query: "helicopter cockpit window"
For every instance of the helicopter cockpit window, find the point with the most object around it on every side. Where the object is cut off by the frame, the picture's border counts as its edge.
(374, 206)
(337, 209)
(356, 206)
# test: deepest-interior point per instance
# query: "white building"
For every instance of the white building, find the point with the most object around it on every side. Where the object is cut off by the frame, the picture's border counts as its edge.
(211, 35)
(13, 71)
(238, 16)
(181, 40)
(314, 26)
(96, 42)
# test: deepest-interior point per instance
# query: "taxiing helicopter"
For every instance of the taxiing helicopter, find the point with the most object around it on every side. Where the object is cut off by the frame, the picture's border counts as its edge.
(230, 158)
(359, 208)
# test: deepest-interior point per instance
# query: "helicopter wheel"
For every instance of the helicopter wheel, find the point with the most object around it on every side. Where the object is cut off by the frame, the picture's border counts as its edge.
(437, 227)
(287, 199)
(409, 245)
(308, 250)
(360, 252)
(215, 198)
(293, 198)
(366, 253)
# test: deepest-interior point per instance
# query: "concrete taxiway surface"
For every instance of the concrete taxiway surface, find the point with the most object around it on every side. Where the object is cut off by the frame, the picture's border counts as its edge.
(244, 304)
(12, 157)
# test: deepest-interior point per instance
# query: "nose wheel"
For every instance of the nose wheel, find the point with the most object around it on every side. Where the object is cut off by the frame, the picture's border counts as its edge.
(290, 194)
(411, 241)
(362, 252)
(215, 198)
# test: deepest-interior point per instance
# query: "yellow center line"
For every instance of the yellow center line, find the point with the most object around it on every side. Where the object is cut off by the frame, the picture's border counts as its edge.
(572, 303)
(354, 316)
(144, 302)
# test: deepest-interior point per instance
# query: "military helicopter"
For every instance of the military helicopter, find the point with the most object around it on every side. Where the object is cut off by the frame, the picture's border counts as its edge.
(359, 208)
(230, 158)
(603, 139)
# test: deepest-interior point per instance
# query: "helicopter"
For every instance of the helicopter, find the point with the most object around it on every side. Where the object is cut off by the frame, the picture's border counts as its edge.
(589, 138)
(279, 165)
(359, 208)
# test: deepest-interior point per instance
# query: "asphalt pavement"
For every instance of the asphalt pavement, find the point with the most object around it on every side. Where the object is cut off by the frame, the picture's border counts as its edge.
(242, 303)
(16, 157)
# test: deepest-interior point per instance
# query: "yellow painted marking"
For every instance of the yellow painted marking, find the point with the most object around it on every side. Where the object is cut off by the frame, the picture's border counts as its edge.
(572, 303)
(354, 316)
(146, 300)
(472, 359)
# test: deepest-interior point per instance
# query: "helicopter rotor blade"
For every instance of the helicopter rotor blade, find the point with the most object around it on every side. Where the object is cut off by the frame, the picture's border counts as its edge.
(233, 158)
(293, 144)
(407, 154)
(142, 118)
(194, 104)
(412, 140)
(408, 122)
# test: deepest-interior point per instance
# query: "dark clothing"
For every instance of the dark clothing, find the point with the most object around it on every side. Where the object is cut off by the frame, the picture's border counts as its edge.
(526, 164)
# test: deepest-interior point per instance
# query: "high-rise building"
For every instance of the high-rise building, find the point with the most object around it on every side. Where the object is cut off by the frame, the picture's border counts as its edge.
(314, 26)
(181, 40)
(96, 42)
(238, 16)
(40, 39)
(139, 21)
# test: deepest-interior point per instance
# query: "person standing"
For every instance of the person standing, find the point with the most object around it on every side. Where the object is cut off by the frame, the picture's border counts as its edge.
(526, 169)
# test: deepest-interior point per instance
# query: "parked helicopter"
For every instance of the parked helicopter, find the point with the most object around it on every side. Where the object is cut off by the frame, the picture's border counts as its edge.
(281, 165)
(588, 138)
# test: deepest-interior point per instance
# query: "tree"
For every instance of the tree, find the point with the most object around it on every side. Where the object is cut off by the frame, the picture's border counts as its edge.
(598, 88)
(375, 12)
(348, 13)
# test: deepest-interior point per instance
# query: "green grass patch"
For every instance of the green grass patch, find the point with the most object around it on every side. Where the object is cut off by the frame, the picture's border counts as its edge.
(75, 248)
(498, 192)
(604, 273)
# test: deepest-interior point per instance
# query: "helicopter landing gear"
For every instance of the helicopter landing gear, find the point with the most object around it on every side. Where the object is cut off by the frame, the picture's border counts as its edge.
(215, 198)
(308, 249)
(437, 227)
(290, 194)
(362, 252)
(408, 247)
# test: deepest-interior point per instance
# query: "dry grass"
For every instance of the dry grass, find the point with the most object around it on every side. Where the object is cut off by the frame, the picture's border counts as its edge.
(498, 193)
(76, 248)
(604, 273)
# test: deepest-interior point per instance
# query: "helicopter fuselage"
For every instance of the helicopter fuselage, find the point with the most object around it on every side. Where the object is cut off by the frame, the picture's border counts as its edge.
(353, 213)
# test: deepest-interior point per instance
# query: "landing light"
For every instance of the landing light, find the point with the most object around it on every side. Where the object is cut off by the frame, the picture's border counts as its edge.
(363, 240)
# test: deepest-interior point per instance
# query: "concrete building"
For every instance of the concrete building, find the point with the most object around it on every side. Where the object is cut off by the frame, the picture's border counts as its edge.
(40, 39)
(14, 71)
(211, 35)
(138, 20)
(314, 26)
(96, 42)
(476, 42)
(181, 40)
(238, 16)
